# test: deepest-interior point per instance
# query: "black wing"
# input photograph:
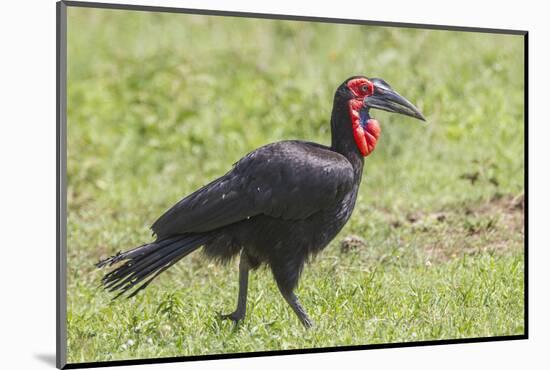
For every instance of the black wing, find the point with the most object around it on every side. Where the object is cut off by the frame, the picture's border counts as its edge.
(288, 179)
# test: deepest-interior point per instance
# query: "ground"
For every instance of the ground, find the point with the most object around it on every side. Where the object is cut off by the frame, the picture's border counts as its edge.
(160, 104)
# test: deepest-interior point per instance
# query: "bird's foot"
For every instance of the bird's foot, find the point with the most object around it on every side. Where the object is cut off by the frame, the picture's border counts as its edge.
(236, 316)
(308, 324)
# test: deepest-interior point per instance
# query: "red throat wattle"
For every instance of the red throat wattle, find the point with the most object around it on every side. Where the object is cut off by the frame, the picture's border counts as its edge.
(365, 138)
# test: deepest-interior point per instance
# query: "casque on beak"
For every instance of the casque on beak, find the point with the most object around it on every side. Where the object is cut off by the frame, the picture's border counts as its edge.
(385, 98)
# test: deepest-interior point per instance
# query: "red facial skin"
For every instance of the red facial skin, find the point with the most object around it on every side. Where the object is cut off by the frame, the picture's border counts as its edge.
(365, 140)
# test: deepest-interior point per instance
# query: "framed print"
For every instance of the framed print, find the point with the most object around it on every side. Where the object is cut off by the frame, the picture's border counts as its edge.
(237, 184)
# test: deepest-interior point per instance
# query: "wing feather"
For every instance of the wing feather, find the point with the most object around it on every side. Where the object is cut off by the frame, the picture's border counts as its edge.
(288, 179)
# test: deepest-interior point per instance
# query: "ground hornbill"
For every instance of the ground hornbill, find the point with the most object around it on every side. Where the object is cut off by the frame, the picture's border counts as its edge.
(279, 205)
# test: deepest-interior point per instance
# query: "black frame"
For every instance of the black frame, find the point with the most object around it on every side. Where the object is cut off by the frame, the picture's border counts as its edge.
(61, 189)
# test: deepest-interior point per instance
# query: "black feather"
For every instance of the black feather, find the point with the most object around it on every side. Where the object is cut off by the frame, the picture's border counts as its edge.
(142, 262)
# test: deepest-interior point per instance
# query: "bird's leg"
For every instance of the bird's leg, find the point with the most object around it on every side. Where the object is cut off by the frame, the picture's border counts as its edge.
(293, 301)
(240, 312)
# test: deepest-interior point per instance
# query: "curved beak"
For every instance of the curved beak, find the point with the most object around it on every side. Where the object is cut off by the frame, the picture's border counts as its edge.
(385, 98)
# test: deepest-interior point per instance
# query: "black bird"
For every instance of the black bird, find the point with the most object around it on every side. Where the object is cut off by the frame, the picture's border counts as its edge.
(278, 205)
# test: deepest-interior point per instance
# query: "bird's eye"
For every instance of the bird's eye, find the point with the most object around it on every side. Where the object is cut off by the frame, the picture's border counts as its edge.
(365, 88)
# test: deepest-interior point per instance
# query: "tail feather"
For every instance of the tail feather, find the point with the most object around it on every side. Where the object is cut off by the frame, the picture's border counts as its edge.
(136, 262)
(148, 260)
(135, 273)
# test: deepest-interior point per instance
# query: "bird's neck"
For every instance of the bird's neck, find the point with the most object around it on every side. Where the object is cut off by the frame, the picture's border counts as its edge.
(343, 141)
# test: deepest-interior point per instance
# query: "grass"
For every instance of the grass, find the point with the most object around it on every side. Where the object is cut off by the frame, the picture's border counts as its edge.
(160, 104)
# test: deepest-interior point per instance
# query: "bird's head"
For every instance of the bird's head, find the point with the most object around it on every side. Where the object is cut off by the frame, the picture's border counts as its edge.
(362, 94)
